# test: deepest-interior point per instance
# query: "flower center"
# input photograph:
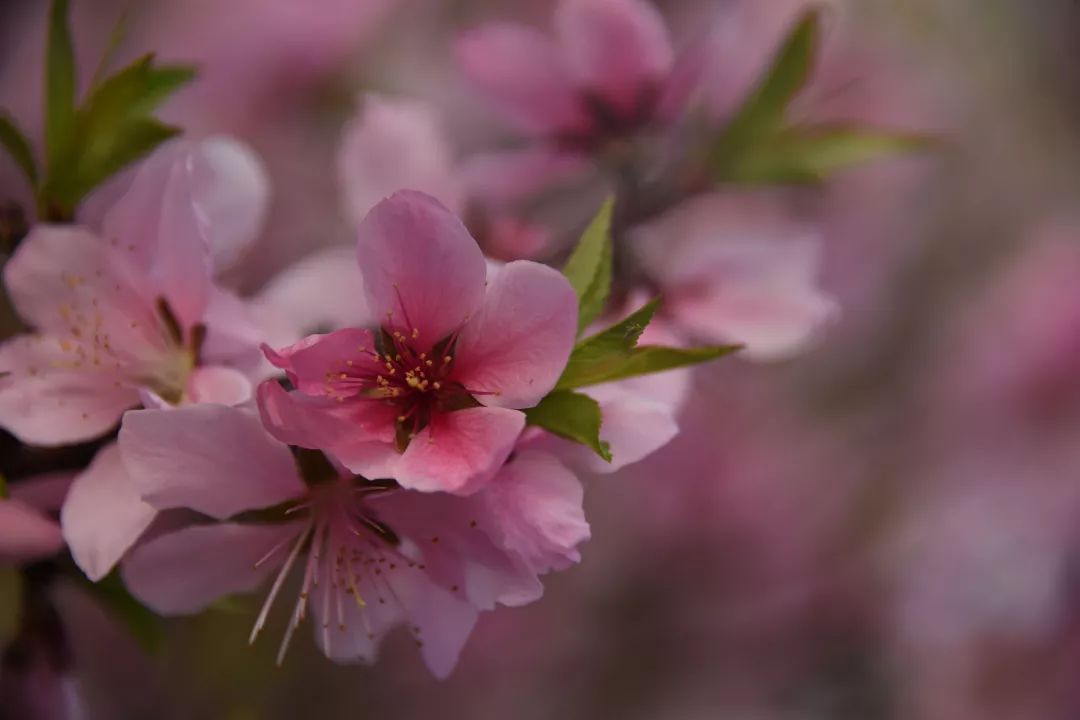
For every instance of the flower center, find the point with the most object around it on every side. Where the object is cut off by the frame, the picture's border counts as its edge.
(183, 351)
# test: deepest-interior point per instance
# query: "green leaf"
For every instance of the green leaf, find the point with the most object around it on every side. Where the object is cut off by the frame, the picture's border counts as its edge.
(113, 129)
(572, 416)
(764, 110)
(3, 488)
(115, 38)
(593, 355)
(59, 85)
(11, 594)
(589, 267)
(142, 623)
(15, 142)
(647, 360)
(812, 155)
(614, 354)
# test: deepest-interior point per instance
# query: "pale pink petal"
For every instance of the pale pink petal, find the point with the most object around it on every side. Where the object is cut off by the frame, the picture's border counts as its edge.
(320, 293)
(444, 621)
(159, 223)
(634, 426)
(457, 549)
(26, 534)
(522, 73)
(218, 384)
(43, 404)
(234, 332)
(104, 514)
(440, 620)
(213, 459)
(359, 434)
(393, 144)
(232, 194)
(182, 572)
(459, 451)
(735, 268)
(315, 364)
(70, 283)
(618, 49)
(512, 175)
(534, 509)
(514, 350)
(770, 303)
(421, 266)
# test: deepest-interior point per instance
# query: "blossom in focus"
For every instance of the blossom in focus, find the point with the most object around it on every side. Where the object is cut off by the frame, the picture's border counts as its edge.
(371, 555)
(131, 317)
(733, 268)
(432, 397)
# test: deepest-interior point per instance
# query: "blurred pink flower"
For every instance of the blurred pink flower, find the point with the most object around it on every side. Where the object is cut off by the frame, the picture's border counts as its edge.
(608, 74)
(733, 268)
(132, 317)
(376, 555)
(431, 398)
(124, 316)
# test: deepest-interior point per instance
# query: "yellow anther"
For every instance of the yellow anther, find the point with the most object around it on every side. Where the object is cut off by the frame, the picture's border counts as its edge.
(428, 363)
(415, 333)
(436, 385)
(342, 376)
(447, 359)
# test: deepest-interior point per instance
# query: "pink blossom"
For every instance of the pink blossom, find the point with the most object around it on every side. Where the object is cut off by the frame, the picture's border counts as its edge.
(733, 268)
(602, 75)
(371, 555)
(132, 310)
(132, 317)
(433, 397)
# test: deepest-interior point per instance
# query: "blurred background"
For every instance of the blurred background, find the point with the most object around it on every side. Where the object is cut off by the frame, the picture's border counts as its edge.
(886, 526)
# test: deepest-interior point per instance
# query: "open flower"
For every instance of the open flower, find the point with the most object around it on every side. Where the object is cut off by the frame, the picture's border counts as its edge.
(122, 317)
(432, 397)
(371, 555)
(132, 317)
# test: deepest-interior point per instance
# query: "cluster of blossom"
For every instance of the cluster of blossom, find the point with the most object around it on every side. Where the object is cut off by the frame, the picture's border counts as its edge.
(386, 464)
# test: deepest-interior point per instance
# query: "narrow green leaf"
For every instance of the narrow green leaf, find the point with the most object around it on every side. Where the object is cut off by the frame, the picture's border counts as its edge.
(764, 110)
(141, 622)
(572, 416)
(116, 37)
(3, 487)
(614, 354)
(812, 155)
(15, 142)
(589, 267)
(645, 360)
(59, 85)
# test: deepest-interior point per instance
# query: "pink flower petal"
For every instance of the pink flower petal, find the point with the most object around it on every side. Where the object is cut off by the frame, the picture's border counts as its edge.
(218, 384)
(617, 48)
(359, 434)
(104, 514)
(44, 492)
(45, 405)
(322, 292)
(231, 190)
(440, 620)
(392, 144)
(459, 451)
(534, 509)
(182, 572)
(70, 283)
(422, 270)
(315, 364)
(517, 346)
(213, 459)
(160, 224)
(458, 551)
(635, 426)
(522, 73)
(25, 534)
